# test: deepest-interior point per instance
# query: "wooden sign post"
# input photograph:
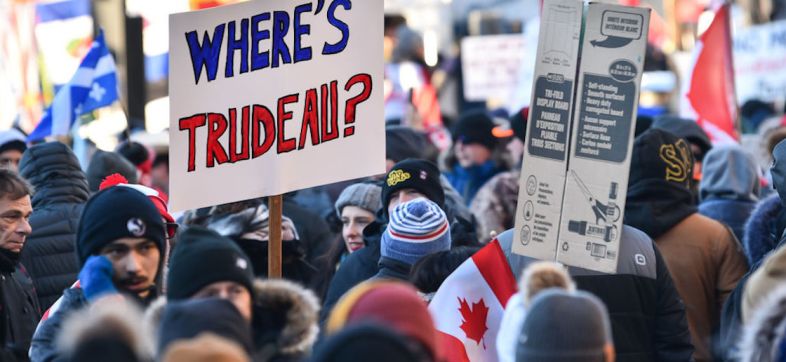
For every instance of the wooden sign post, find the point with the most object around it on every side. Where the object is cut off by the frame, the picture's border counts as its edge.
(274, 240)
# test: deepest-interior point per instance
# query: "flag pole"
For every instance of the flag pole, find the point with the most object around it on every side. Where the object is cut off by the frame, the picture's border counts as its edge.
(737, 118)
(274, 241)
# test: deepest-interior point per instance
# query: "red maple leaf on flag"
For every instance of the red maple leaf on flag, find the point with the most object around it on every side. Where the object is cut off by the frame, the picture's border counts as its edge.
(473, 320)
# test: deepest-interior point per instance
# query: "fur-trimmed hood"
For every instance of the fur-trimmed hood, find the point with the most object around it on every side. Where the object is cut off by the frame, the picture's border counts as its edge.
(763, 335)
(285, 318)
(118, 322)
(762, 229)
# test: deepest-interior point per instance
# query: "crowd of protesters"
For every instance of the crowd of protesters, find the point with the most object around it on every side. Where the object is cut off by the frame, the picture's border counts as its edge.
(94, 267)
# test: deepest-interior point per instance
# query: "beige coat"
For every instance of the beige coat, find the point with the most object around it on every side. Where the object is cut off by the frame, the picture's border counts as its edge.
(706, 262)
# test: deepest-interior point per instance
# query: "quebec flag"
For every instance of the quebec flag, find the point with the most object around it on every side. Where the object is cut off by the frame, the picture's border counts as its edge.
(94, 85)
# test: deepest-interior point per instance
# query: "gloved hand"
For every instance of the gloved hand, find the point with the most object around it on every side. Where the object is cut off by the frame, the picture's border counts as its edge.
(95, 278)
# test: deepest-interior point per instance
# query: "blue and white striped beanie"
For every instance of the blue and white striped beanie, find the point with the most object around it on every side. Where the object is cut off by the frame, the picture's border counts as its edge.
(417, 228)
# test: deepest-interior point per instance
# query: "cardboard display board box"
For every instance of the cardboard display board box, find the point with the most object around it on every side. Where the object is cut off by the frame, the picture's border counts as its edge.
(548, 130)
(595, 174)
(272, 96)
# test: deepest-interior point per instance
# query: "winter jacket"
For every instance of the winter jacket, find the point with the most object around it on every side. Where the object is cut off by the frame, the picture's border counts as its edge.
(284, 321)
(703, 256)
(762, 282)
(729, 187)
(393, 269)
(313, 230)
(494, 206)
(763, 228)
(364, 263)
(763, 338)
(647, 315)
(707, 262)
(60, 194)
(467, 181)
(358, 266)
(44, 345)
(19, 310)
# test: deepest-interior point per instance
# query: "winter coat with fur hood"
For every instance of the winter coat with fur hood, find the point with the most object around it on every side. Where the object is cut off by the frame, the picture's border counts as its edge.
(764, 335)
(284, 321)
(763, 229)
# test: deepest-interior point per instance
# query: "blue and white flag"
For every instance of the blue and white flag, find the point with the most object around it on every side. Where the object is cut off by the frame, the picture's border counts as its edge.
(94, 85)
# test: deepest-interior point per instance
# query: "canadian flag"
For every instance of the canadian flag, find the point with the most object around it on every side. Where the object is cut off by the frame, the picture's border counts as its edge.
(468, 307)
(709, 90)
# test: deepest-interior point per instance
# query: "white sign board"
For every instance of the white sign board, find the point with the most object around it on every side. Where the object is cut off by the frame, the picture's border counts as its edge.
(760, 62)
(580, 136)
(548, 131)
(491, 65)
(271, 96)
(612, 62)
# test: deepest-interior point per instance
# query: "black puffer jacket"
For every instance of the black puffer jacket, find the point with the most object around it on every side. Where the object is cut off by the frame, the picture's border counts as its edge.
(60, 193)
(647, 314)
(19, 311)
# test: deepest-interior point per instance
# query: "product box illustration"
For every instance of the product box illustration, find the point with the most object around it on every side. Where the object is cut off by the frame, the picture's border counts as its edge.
(548, 130)
(595, 174)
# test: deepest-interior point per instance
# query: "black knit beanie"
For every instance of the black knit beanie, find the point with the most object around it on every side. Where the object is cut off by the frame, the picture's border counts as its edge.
(202, 257)
(403, 142)
(518, 123)
(420, 175)
(134, 152)
(104, 164)
(114, 213)
(475, 127)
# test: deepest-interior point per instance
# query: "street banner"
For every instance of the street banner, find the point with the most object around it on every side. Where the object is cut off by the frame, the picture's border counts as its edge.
(580, 135)
(548, 131)
(272, 96)
(612, 62)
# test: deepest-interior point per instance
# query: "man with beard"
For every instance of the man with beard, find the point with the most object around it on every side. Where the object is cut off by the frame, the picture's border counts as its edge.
(19, 310)
(120, 244)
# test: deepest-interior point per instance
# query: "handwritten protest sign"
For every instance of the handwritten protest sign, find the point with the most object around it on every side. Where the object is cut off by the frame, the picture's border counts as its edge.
(577, 154)
(272, 96)
(760, 62)
(491, 65)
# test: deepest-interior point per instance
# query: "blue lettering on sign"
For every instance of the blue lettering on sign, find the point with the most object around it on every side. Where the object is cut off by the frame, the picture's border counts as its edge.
(259, 47)
(236, 44)
(205, 55)
(259, 59)
(301, 53)
(280, 29)
(338, 24)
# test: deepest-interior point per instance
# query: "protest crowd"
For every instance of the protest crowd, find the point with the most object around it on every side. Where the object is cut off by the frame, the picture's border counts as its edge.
(95, 264)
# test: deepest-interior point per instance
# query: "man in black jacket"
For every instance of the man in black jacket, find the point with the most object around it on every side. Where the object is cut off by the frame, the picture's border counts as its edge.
(61, 193)
(647, 315)
(19, 311)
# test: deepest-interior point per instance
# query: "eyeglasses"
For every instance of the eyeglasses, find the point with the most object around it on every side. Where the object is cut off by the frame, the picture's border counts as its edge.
(171, 229)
